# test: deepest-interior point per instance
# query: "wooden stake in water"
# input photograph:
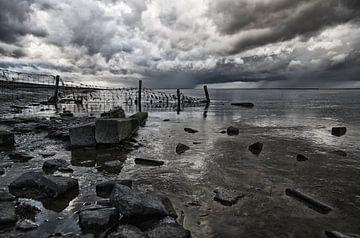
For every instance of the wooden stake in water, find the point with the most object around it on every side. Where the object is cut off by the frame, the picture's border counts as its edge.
(206, 94)
(57, 80)
(140, 86)
(178, 101)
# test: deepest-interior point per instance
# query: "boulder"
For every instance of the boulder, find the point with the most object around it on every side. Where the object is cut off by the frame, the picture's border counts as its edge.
(26, 225)
(232, 131)
(141, 117)
(243, 104)
(117, 112)
(170, 230)
(83, 135)
(20, 156)
(104, 189)
(39, 186)
(98, 219)
(7, 138)
(138, 204)
(256, 148)
(111, 131)
(301, 158)
(128, 231)
(148, 162)
(338, 131)
(190, 130)
(52, 165)
(181, 148)
(7, 214)
(227, 197)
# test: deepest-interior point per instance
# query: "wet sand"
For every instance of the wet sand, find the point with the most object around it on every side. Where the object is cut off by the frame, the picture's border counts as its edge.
(217, 160)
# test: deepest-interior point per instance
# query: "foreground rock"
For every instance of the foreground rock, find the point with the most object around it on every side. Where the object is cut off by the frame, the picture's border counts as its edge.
(148, 162)
(243, 104)
(39, 186)
(26, 225)
(50, 166)
(140, 205)
(256, 148)
(338, 131)
(83, 135)
(104, 189)
(301, 158)
(181, 148)
(112, 131)
(190, 130)
(232, 131)
(20, 156)
(117, 112)
(128, 231)
(227, 197)
(98, 219)
(7, 214)
(7, 138)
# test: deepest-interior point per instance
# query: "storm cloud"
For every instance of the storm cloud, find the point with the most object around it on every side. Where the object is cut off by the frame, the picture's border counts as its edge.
(265, 43)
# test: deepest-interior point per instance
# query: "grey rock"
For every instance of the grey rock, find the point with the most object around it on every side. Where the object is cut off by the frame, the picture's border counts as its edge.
(7, 138)
(232, 131)
(26, 225)
(113, 166)
(98, 219)
(169, 231)
(53, 165)
(148, 162)
(138, 204)
(7, 214)
(190, 130)
(104, 189)
(47, 154)
(20, 156)
(301, 158)
(227, 197)
(256, 148)
(181, 148)
(338, 131)
(243, 104)
(128, 231)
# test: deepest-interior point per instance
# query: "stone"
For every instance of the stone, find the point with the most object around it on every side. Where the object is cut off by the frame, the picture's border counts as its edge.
(227, 197)
(50, 166)
(47, 154)
(7, 138)
(232, 131)
(165, 120)
(111, 131)
(256, 148)
(128, 231)
(7, 214)
(98, 219)
(171, 230)
(113, 166)
(26, 225)
(181, 148)
(190, 130)
(26, 210)
(301, 158)
(5, 196)
(138, 204)
(148, 162)
(39, 186)
(104, 189)
(339, 152)
(243, 104)
(83, 135)
(338, 131)
(117, 112)
(141, 117)
(20, 156)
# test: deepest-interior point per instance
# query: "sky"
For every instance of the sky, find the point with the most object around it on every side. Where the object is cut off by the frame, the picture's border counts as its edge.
(187, 43)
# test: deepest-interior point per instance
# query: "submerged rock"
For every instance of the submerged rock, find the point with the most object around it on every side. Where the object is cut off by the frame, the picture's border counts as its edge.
(181, 148)
(26, 225)
(169, 230)
(138, 204)
(301, 158)
(338, 131)
(256, 148)
(232, 131)
(243, 104)
(128, 231)
(7, 214)
(148, 162)
(227, 197)
(104, 189)
(7, 138)
(190, 130)
(53, 165)
(98, 219)
(20, 156)
(39, 186)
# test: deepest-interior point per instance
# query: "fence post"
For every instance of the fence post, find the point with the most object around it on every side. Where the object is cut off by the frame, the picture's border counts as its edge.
(57, 79)
(140, 86)
(206, 94)
(178, 101)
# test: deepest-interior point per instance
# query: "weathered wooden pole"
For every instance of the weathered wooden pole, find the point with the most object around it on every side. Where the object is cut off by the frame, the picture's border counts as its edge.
(140, 86)
(206, 94)
(57, 80)
(178, 101)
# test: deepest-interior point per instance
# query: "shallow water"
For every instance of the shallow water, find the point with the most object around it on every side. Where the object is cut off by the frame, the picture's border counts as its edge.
(288, 122)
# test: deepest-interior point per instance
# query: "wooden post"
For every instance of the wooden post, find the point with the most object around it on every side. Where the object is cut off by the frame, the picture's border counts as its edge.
(140, 86)
(206, 94)
(178, 101)
(57, 79)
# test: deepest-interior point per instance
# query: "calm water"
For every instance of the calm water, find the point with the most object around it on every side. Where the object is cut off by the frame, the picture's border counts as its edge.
(287, 122)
